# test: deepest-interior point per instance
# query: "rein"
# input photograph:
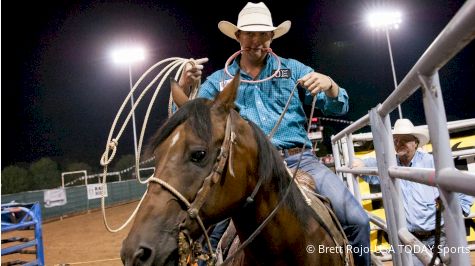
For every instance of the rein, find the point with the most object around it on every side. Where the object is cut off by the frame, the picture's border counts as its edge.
(439, 207)
(267, 220)
(250, 199)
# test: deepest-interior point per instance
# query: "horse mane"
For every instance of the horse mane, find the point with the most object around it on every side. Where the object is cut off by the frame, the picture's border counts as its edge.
(272, 169)
(196, 111)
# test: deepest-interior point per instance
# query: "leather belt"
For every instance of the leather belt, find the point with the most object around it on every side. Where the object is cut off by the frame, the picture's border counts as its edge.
(423, 234)
(292, 151)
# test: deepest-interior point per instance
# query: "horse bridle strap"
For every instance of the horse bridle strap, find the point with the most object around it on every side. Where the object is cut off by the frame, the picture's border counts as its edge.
(210, 180)
(217, 171)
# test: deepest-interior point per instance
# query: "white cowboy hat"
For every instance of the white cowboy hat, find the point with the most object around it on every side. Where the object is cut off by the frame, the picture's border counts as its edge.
(405, 127)
(254, 17)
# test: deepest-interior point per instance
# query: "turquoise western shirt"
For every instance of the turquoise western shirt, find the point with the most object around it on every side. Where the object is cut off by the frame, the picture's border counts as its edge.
(263, 103)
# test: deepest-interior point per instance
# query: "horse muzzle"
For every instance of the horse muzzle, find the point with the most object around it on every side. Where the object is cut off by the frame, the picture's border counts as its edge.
(144, 254)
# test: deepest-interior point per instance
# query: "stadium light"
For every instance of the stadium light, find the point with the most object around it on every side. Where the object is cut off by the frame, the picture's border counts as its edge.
(387, 20)
(129, 55)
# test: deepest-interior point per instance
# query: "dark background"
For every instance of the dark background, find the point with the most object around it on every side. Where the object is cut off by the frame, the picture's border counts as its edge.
(61, 92)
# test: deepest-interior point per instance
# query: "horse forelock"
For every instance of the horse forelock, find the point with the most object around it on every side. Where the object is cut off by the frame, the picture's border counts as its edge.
(196, 112)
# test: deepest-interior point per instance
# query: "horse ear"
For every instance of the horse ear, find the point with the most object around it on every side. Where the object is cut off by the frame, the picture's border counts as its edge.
(225, 100)
(179, 97)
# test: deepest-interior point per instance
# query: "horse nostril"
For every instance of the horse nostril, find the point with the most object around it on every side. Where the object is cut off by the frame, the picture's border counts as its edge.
(143, 254)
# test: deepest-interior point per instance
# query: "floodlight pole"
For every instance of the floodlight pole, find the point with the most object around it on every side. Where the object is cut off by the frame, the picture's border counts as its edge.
(133, 111)
(392, 67)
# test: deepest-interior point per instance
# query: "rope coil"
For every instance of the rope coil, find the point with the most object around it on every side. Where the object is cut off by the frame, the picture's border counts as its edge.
(112, 142)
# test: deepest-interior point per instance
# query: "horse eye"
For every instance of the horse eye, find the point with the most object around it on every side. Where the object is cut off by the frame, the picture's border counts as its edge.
(198, 156)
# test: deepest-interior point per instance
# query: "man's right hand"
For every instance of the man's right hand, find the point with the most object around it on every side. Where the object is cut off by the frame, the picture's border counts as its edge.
(192, 73)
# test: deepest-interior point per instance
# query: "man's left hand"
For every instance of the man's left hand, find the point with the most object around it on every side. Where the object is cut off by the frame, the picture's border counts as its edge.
(315, 82)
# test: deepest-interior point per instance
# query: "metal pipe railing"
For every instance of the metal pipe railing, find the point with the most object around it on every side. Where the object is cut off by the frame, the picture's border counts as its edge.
(358, 124)
(456, 35)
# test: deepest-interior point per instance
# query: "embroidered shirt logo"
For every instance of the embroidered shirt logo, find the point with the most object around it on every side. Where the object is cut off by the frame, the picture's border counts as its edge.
(283, 73)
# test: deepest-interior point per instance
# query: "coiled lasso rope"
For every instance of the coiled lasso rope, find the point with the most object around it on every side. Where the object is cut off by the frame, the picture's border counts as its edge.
(112, 142)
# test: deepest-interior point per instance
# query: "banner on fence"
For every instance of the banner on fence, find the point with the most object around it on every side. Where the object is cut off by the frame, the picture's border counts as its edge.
(94, 191)
(55, 197)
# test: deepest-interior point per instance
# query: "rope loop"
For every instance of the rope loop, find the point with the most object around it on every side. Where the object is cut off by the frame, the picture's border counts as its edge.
(112, 145)
(269, 50)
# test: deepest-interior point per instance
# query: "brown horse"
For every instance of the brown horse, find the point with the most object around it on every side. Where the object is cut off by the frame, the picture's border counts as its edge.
(208, 162)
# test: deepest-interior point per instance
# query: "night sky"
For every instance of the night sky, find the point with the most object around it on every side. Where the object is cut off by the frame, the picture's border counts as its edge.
(61, 91)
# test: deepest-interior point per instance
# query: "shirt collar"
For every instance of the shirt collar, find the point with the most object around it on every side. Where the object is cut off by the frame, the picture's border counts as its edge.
(417, 154)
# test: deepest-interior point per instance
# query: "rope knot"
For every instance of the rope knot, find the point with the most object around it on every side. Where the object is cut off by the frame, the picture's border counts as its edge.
(193, 213)
(112, 145)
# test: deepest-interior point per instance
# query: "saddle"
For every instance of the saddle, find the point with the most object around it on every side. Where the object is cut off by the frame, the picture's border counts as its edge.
(324, 213)
(322, 208)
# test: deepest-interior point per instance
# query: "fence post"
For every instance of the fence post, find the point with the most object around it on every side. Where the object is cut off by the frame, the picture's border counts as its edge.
(437, 122)
(351, 157)
(390, 188)
(336, 157)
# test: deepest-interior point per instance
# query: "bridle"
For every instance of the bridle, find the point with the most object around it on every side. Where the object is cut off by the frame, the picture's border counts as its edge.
(187, 249)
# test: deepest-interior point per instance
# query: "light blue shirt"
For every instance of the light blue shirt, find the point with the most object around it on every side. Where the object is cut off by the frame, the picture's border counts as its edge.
(419, 199)
(263, 103)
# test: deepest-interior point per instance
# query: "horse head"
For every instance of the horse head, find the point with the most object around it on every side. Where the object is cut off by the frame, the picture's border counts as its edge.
(195, 177)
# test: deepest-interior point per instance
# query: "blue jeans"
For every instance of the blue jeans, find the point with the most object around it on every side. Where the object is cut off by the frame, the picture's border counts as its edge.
(217, 233)
(215, 236)
(349, 211)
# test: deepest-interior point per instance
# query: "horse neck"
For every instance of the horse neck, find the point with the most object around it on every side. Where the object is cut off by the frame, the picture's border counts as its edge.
(284, 239)
(284, 226)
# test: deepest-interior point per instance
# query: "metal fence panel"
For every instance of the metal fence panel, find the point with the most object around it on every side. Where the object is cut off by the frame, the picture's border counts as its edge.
(77, 202)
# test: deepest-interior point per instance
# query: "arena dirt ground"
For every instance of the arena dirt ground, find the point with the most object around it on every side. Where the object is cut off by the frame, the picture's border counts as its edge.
(84, 240)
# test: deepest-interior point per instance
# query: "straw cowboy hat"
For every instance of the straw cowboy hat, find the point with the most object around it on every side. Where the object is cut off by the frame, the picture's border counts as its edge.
(254, 17)
(405, 127)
